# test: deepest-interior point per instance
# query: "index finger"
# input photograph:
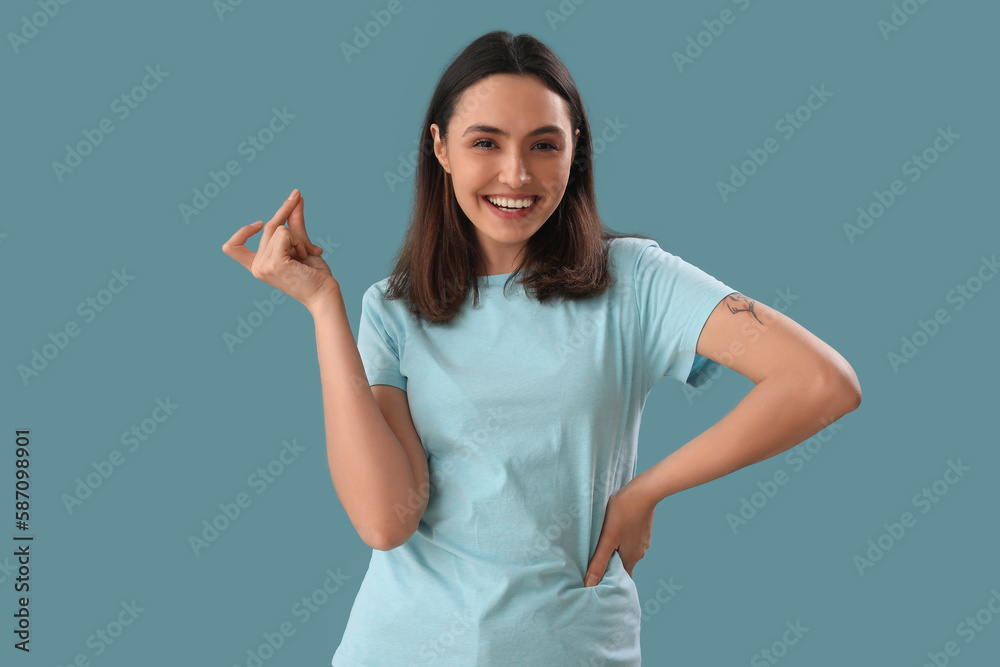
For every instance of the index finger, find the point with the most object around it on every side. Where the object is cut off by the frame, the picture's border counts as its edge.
(279, 219)
(297, 221)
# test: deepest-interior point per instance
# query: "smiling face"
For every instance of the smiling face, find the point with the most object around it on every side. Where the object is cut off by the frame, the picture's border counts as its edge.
(511, 141)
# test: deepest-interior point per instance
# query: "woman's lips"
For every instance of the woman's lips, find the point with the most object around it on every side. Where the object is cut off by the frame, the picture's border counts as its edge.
(511, 215)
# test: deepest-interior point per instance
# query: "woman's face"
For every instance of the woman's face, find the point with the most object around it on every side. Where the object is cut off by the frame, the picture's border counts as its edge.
(510, 136)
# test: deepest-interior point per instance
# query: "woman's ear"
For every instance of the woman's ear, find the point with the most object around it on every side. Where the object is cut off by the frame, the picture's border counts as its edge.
(440, 149)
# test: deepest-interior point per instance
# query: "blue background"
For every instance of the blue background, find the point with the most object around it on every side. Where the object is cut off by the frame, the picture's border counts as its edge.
(162, 336)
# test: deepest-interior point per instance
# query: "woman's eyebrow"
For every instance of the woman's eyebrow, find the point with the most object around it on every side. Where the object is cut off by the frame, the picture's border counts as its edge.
(489, 129)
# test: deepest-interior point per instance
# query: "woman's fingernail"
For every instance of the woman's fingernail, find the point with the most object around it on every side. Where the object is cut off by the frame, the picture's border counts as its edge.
(591, 580)
(294, 192)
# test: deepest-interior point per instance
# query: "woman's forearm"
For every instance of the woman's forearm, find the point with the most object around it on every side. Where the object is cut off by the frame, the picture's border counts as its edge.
(777, 414)
(371, 472)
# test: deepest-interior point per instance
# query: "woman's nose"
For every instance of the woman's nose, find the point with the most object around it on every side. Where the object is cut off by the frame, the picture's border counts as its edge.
(515, 171)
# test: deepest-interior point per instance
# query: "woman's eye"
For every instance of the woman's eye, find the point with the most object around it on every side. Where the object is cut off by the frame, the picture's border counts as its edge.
(479, 144)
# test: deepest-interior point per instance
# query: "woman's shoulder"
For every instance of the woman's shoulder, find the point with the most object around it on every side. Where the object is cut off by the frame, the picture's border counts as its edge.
(375, 292)
(624, 251)
(377, 289)
(375, 299)
(630, 245)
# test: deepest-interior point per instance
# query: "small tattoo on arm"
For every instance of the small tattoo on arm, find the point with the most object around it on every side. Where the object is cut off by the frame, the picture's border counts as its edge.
(739, 299)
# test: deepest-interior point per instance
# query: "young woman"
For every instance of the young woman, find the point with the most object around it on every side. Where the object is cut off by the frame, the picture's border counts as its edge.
(482, 439)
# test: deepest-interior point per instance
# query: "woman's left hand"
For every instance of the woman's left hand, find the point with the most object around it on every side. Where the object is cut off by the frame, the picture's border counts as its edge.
(628, 524)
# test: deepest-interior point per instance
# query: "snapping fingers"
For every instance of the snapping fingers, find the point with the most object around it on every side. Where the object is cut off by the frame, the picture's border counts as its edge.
(236, 248)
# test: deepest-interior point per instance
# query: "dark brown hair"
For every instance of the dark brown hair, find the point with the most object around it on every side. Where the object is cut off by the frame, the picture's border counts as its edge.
(567, 257)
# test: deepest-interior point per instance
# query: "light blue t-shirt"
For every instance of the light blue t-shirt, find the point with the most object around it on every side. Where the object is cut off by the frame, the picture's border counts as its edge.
(529, 416)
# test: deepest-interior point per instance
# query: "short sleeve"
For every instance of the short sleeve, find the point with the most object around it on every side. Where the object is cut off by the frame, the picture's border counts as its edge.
(378, 341)
(674, 299)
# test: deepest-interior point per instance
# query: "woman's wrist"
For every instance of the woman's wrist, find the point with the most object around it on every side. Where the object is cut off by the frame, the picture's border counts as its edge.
(330, 298)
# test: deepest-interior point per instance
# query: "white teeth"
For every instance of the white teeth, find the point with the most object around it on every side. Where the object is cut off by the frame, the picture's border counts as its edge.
(511, 203)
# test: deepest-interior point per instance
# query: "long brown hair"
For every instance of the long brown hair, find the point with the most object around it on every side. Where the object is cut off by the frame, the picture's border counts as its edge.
(437, 263)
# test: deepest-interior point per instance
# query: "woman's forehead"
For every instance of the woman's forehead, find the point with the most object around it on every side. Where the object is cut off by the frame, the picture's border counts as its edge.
(511, 103)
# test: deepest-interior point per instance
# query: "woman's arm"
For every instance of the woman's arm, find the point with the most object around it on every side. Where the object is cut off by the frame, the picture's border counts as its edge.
(376, 460)
(380, 479)
(801, 386)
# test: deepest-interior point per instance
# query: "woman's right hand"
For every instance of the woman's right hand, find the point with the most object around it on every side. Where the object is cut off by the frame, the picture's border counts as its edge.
(285, 257)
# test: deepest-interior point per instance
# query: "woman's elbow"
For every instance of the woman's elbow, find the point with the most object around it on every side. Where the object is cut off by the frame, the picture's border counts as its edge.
(839, 388)
(390, 535)
(383, 543)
